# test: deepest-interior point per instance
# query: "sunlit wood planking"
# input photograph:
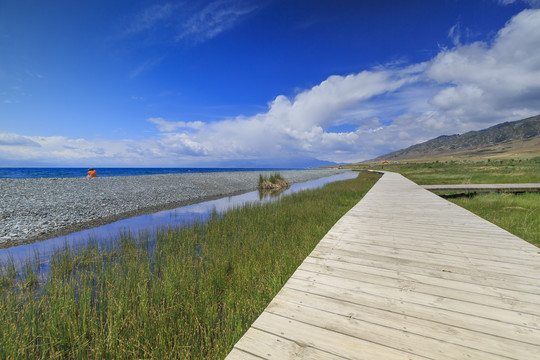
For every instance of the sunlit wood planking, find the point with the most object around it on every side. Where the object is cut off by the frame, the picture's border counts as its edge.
(405, 275)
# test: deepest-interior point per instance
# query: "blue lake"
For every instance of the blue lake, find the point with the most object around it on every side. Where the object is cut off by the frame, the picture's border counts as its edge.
(24, 173)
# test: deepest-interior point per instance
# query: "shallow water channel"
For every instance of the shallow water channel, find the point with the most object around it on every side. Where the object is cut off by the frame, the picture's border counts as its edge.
(150, 222)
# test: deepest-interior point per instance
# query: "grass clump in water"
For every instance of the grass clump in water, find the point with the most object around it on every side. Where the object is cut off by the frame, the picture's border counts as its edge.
(191, 295)
(273, 182)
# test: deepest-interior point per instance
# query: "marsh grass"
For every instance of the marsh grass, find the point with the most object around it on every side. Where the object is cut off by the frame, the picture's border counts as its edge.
(272, 178)
(274, 182)
(516, 213)
(190, 294)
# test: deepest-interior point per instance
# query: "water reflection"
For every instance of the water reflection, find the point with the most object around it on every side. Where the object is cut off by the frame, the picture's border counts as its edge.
(148, 224)
(271, 193)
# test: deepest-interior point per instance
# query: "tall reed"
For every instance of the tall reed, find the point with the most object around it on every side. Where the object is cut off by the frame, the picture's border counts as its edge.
(191, 293)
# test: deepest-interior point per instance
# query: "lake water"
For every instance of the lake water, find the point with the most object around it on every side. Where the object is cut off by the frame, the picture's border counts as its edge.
(25, 173)
(151, 222)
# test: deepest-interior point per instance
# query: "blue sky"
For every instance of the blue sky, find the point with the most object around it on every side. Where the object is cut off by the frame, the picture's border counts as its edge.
(256, 83)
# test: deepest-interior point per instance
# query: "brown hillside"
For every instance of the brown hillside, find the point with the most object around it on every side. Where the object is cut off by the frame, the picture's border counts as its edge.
(517, 139)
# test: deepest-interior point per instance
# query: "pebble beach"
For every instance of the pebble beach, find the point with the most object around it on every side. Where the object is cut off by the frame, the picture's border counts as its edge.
(42, 208)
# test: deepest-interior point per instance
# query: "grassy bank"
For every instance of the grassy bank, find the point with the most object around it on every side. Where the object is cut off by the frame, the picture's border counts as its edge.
(192, 294)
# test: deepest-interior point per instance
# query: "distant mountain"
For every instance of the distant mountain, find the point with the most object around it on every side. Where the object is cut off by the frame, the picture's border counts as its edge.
(507, 139)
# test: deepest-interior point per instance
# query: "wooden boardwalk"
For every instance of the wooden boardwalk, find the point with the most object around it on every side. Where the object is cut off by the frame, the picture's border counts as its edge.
(405, 275)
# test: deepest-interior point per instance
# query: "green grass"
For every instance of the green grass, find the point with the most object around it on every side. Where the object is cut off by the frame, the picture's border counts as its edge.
(516, 213)
(191, 296)
(473, 172)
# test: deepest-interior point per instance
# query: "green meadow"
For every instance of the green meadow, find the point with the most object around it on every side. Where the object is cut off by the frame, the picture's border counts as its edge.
(466, 172)
(191, 293)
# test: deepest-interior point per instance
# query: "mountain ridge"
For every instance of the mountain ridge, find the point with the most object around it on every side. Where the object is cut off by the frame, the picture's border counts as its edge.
(511, 138)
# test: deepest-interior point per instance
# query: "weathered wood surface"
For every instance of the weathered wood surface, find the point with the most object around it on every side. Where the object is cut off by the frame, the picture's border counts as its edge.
(406, 275)
(484, 187)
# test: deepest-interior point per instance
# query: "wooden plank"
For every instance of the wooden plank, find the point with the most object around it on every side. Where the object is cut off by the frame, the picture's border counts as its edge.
(264, 345)
(440, 315)
(421, 269)
(478, 291)
(427, 329)
(406, 275)
(402, 283)
(428, 264)
(519, 259)
(466, 242)
(407, 292)
(237, 354)
(529, 270)
(326, 340)
(473, 237)
(378, 332)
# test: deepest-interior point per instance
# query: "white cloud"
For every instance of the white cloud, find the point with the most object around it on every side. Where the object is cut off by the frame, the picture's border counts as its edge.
(468, 87)
(487, 84)
(10, 139)
(169, 126)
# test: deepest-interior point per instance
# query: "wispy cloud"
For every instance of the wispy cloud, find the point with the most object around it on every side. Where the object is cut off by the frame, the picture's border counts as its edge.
(144, 66)
(149, 18)
(213, 19)
(532, 3)
(176, 22)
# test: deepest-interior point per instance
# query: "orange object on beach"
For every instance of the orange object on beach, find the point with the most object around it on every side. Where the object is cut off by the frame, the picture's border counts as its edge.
(92, 173)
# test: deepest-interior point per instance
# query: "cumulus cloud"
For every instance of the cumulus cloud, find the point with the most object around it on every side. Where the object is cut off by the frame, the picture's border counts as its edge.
(60, 150)
(467, 87)
(491, 82)
(344, 118)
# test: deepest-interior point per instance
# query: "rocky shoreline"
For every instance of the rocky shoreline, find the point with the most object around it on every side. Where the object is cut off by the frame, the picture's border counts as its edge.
(37, 209)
